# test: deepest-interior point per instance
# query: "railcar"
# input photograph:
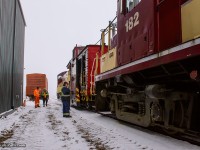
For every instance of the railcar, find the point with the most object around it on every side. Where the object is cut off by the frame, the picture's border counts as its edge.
(74, 94)
(154, 77)
(61, 78)
(83, 68)
(34, 80)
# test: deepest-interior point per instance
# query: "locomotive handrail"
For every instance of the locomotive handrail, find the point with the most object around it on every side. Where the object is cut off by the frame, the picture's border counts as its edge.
(107, 28)
(91, 79)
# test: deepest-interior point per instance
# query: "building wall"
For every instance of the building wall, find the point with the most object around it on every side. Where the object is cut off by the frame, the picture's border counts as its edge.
(12, 28)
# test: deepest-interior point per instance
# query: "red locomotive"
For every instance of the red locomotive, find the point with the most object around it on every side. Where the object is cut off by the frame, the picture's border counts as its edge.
(150, 74)
(156, 78)
(72, 69)
(83, 67)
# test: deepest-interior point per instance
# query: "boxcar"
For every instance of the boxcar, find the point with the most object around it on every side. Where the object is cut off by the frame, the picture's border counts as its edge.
(35, 80)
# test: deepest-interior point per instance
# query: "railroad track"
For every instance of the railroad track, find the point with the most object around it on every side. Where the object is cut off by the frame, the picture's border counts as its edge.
(191, 137)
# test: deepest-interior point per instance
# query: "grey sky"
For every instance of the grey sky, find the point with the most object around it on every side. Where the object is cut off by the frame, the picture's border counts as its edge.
(54, 27)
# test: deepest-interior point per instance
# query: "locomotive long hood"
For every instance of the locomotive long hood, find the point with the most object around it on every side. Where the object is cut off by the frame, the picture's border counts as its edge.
(183, 51)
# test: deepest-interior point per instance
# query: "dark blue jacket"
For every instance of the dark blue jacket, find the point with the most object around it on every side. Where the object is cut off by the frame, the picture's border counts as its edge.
(65, 93)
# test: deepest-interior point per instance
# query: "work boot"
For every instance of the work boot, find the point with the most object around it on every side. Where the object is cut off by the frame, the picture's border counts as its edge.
(67, 116)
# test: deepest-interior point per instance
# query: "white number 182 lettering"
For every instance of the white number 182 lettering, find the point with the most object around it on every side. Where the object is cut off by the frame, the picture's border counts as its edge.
(132, 22)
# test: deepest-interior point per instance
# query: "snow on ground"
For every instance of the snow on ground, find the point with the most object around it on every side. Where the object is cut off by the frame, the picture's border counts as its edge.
(44, 128)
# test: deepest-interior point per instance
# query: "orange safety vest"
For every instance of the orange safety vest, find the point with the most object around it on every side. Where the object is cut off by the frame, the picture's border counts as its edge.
(36, 93)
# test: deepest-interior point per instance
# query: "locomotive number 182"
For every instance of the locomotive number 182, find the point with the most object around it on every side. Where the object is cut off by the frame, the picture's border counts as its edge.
(132, 22)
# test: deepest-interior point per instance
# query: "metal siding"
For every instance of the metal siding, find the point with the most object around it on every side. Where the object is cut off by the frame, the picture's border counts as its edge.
(18, 58)
(6, 52)
(7, 47)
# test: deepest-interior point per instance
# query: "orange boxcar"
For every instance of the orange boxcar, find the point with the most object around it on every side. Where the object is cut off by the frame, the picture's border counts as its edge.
(35, 80)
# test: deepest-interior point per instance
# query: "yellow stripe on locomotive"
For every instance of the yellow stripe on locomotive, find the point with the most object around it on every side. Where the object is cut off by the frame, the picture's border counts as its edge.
(190, 21)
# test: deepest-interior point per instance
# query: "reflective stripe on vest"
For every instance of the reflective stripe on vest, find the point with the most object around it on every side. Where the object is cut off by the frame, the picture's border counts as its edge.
(64, 95)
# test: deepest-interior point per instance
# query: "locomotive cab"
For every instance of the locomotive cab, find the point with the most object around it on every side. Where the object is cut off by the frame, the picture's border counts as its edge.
(135, 30)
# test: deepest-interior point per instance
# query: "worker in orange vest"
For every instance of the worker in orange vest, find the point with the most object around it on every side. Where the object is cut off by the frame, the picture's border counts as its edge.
(37, 97)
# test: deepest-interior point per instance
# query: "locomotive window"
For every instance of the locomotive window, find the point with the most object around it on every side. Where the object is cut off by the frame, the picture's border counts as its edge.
(130, 4)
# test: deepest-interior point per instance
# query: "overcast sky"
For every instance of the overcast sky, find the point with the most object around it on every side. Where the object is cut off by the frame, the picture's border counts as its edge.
(53, 29)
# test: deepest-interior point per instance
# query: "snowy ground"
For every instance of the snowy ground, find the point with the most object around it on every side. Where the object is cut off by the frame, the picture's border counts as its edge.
(44, 128)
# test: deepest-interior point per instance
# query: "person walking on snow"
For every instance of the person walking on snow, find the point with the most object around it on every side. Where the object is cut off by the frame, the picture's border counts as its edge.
(45, 97)
(65, 97)
(36, 94)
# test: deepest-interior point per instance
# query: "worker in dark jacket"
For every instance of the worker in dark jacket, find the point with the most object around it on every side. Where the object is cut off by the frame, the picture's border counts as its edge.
(65, 97)
(45, 97)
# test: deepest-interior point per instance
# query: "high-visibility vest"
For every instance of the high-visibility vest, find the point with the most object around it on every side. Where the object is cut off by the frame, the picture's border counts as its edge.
(45, 94)
(64, 95)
